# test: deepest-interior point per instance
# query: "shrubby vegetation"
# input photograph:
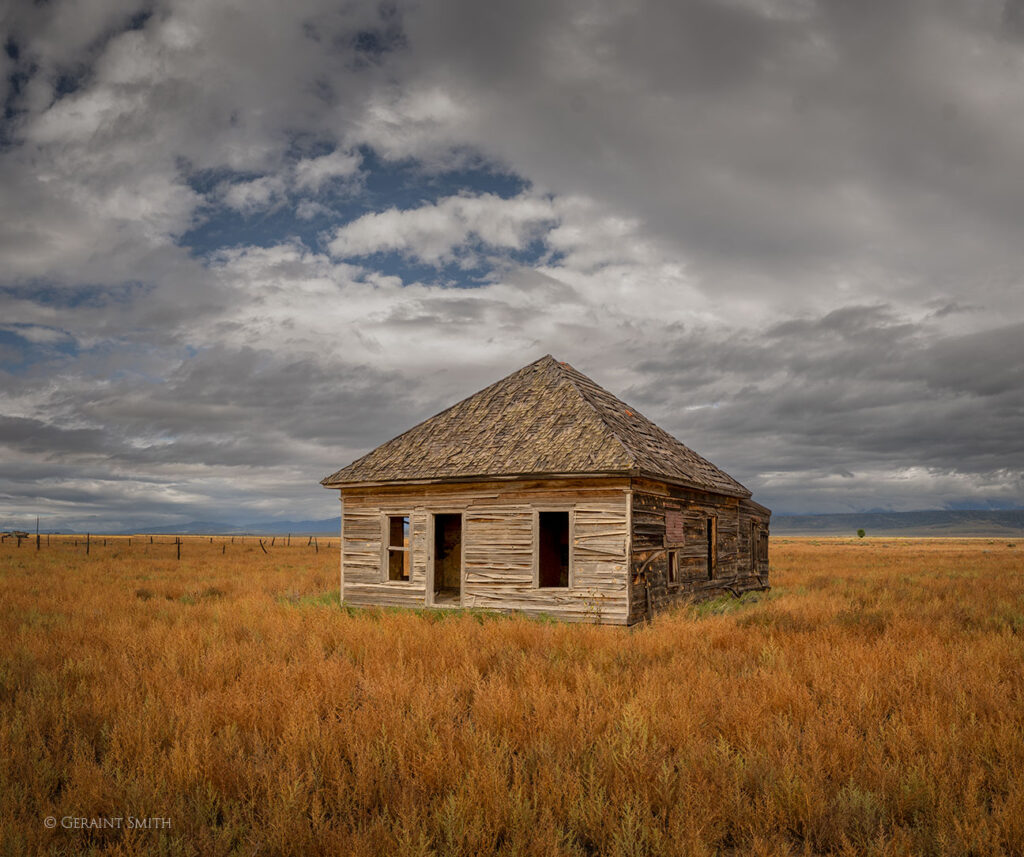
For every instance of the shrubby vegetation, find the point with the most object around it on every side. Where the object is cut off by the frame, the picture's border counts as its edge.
(870, 704)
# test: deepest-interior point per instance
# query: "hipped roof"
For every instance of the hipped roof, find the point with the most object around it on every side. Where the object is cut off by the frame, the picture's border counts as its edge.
(547, 419)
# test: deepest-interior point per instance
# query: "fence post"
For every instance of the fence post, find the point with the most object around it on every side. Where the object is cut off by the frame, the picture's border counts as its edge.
(88, 536)
(177, 541)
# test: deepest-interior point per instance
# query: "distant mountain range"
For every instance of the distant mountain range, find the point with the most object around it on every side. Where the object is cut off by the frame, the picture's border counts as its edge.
(327, 526)
(929, 523)
(1009, 523)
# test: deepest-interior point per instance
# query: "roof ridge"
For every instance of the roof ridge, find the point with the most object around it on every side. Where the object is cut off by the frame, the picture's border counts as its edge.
(562, 367)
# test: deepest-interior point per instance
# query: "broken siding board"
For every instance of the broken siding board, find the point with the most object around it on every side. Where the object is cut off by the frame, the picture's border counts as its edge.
(418, 547)
(380, 599)
(548, 600)
(648, 521)
(599, 534)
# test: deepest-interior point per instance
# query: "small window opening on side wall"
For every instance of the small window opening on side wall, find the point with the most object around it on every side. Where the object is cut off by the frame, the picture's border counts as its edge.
(553, 549)
(673, 568)
(398, 547)
(712, 533)
(762, 546)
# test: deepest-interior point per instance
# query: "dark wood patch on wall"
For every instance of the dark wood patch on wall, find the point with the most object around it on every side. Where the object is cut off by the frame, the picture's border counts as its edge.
(674, 527)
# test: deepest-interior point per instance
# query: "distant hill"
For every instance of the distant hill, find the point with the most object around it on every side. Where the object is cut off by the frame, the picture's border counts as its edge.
(327, 526)
(1008, 523)
(996, 524)
(926, 523)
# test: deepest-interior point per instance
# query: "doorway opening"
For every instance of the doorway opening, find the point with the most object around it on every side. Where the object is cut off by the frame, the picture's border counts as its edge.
(447, 558)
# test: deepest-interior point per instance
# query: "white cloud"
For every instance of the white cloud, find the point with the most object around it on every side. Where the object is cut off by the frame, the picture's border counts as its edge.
(250, 196)
(414, 121)
(307, 209)
(38, 334)
(307, 175)
(312, 173)
(432, 233)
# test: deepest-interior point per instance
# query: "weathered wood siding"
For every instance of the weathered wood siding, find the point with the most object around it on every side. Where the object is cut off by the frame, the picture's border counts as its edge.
(667, 518)
(499, 549)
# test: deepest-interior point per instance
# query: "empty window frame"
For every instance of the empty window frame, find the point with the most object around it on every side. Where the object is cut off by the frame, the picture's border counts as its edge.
(672, 570)
(398, 559)
(754, 547)
(711, 527)
(553, 549)
(762, 545)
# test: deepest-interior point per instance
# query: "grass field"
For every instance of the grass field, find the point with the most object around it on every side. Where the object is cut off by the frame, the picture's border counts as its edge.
(872, 703)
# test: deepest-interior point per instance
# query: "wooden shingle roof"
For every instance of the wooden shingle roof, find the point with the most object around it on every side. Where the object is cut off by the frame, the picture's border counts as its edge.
(547, 419)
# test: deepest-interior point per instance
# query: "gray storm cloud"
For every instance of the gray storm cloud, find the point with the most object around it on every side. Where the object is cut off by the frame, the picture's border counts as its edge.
(787, 232)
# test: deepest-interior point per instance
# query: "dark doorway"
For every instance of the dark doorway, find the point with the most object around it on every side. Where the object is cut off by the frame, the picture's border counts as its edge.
(447, 557)
(553, 549)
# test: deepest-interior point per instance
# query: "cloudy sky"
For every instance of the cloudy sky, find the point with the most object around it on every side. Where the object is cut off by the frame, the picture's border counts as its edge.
(243, 243)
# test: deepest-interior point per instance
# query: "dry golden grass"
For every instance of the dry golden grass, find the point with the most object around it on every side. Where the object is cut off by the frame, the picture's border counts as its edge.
(872, 704)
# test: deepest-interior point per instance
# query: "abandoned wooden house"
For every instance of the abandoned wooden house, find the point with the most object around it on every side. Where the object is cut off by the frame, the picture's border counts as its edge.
(544, 493)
